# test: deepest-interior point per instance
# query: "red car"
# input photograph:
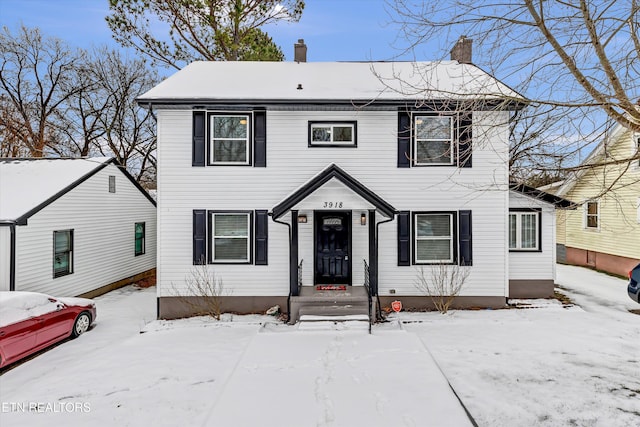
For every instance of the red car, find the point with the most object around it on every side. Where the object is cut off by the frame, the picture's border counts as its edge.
(31, 321)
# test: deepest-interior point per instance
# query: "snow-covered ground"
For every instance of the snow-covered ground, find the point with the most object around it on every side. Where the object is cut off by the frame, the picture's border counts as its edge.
(540, 366)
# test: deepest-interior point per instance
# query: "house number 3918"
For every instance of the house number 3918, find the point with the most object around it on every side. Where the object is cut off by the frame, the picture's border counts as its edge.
(332, 205)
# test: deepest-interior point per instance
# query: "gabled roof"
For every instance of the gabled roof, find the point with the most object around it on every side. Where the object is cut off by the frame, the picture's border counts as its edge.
(593, 157)
(323, 177)
(323, 82)
(534, 193)
(29, 185)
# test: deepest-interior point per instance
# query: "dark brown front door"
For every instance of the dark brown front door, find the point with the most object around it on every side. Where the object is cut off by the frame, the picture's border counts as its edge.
(333, 246)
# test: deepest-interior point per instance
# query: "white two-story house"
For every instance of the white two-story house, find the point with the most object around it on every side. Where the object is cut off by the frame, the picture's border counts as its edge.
(291, 177)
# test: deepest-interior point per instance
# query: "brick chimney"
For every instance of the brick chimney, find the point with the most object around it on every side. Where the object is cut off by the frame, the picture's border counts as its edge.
(300, 51)
(461, 51)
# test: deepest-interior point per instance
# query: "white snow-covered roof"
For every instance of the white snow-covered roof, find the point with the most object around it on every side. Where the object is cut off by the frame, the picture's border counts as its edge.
(27, 183)
(328, 81)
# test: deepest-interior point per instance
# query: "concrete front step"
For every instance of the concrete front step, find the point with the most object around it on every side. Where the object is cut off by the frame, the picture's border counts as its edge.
(333, 310)
(313, 302)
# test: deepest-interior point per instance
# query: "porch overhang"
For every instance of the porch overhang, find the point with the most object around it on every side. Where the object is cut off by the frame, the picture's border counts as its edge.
(322, 178)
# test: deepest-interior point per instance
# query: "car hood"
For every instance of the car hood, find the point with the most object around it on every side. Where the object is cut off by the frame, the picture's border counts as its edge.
(82, 302)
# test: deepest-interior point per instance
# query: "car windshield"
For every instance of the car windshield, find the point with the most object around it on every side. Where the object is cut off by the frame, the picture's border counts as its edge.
(18, 306)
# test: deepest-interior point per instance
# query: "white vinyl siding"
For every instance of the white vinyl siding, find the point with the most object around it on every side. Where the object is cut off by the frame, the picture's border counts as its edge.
(5, 257)
(291, 164)
(530, 264)
(102, 237)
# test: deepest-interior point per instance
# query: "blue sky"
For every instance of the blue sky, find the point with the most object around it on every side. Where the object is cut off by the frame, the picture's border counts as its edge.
(334, 30)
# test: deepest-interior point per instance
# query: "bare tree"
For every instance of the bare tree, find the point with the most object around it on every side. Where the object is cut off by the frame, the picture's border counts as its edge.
(577, 63)
(204, 292)
(35, 80)
(124, 130)
(442, 283)
(175, 32)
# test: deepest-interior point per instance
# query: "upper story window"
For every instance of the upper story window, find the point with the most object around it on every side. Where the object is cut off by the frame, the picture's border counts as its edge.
(332, 134)
(112, 184)
(433, 140)
(592, 214)
(524, 231)
(434, 237)
(62, 253)
(230, 141)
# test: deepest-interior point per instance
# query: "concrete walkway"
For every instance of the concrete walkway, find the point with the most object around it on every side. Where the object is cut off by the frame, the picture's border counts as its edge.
(288, 377)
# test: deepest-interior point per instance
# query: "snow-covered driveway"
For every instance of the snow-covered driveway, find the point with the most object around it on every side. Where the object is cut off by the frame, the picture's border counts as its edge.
(546, 366)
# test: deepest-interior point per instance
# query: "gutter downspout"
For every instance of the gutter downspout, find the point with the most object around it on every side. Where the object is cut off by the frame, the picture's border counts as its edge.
(150, 105)
(12, 258)
(288, 297)
(378, 309)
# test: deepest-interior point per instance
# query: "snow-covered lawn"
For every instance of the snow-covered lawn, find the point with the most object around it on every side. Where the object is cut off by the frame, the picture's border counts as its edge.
(542, 366)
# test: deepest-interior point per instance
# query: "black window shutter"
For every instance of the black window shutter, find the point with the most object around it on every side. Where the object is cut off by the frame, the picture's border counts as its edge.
(465, 150)
(199, 236)
(404, 238)
(198, 150)
(404, 139)
(464, 236)
(260, 138)
(262, 236)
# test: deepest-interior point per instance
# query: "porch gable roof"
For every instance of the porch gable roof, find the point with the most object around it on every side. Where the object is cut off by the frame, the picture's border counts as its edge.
(333, 171)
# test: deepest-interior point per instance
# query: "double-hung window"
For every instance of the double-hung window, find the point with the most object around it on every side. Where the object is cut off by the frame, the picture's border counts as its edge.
(434, 238)
(230, 237)
(139, 238)
(433, 140)
(332, 134)
(230, 139)
(62, 253)
(524, 231)
(592, 214)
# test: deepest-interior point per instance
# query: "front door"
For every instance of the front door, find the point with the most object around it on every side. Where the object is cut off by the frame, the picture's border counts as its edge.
(333, 247)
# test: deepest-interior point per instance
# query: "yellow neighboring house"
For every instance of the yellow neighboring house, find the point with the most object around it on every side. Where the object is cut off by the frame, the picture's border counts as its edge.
(604, 232)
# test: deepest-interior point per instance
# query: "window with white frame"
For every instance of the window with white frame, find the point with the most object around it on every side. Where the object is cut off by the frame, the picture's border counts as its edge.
(433, 140)
(434, 237)
(336, 134)
(230, 139)
(230, 237)
(62, 253)
(592, 214)
(524, 230)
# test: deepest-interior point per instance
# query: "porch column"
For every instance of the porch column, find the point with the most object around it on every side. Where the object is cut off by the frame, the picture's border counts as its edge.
(373, 254)
(293, 255)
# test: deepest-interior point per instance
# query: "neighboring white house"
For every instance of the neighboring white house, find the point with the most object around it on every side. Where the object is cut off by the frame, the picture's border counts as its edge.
(282, 176)
(73, 227)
